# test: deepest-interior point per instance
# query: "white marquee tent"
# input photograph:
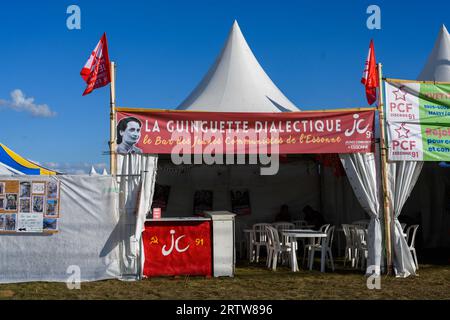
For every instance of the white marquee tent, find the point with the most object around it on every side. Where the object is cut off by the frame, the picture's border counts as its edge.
(236, 82)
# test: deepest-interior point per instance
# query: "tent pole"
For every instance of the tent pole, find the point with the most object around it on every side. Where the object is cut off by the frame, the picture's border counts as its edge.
(112, 118)
(384, 175)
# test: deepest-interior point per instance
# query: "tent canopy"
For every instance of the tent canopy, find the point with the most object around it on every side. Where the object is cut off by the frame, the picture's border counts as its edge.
(12, 163)
(236, 82)
(438, 64)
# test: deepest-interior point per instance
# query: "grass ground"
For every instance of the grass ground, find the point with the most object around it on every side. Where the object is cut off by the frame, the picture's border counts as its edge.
(252, 282)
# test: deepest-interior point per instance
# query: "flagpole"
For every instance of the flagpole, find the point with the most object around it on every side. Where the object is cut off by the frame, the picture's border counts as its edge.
(112, 118)
(384, 168)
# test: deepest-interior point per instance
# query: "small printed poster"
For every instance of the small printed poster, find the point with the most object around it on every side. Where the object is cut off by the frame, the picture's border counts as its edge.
(25, 205)
(52, 190)
(10, 222)
(50, 224)
(2, 203)
(52, 208)
(156, 213)
(11, 202)
(203, 201)
(2, 222)
(38, 204)
(2, 188)
(240, 202)
(30, 222)
(38, 187)
(25, 189)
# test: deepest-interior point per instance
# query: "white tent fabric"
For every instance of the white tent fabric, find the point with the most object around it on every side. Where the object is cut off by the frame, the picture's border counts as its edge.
(438, 64)
(87, 236)
(104, 173)
(402, 176)
(136, 176)
(8, 171)
(361, 172)
(237, 83)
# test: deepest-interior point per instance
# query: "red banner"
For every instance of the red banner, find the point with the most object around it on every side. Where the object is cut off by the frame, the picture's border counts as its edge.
(184, 132)
(182, 248)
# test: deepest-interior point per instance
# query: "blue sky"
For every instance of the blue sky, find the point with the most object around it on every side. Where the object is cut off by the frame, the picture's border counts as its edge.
(313, 51)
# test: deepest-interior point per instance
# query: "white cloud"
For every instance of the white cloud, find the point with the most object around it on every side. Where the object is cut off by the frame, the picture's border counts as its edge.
(19, 102)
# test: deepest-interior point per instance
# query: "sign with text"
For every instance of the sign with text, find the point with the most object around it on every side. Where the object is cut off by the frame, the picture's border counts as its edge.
(30, 222)
(165, 132)
(156, 213)
(177, 248)
(418, 121)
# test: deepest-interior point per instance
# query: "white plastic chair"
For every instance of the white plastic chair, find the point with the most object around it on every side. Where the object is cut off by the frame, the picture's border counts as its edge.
(411, 242)
(314, 241)
(327, 242)
(259, 239)
(349, 244)
(283, 226)
(275, 248)
(362, 252)
(362, 223)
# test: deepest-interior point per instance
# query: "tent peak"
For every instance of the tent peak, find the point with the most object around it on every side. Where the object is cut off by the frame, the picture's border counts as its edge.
(235, 25)
(93, 172)
(437, 67)
(236, 82)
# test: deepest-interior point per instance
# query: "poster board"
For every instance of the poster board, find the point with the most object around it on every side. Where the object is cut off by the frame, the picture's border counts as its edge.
(203, 201)
(29, 205)
(240, 201)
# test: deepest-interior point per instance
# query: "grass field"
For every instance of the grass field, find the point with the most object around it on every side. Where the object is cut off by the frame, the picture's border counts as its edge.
(251, 282)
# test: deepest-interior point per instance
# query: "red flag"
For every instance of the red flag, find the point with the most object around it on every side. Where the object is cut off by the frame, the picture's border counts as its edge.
(370, 75)
(96, 72)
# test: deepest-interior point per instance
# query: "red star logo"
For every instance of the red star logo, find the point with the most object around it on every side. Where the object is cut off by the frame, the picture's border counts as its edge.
(399, 94)
(402, 131)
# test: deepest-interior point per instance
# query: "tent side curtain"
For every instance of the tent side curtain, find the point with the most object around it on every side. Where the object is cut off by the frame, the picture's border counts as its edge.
(361, 172)
(16, 162)
(402, 176)
(136, 174)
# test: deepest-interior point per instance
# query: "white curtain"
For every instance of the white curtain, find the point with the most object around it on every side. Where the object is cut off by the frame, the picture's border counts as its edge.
(136, 175)
(402, 176)
(362, 174)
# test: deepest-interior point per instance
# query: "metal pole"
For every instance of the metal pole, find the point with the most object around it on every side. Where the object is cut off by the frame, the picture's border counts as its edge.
(384, 175)
(112, 118)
